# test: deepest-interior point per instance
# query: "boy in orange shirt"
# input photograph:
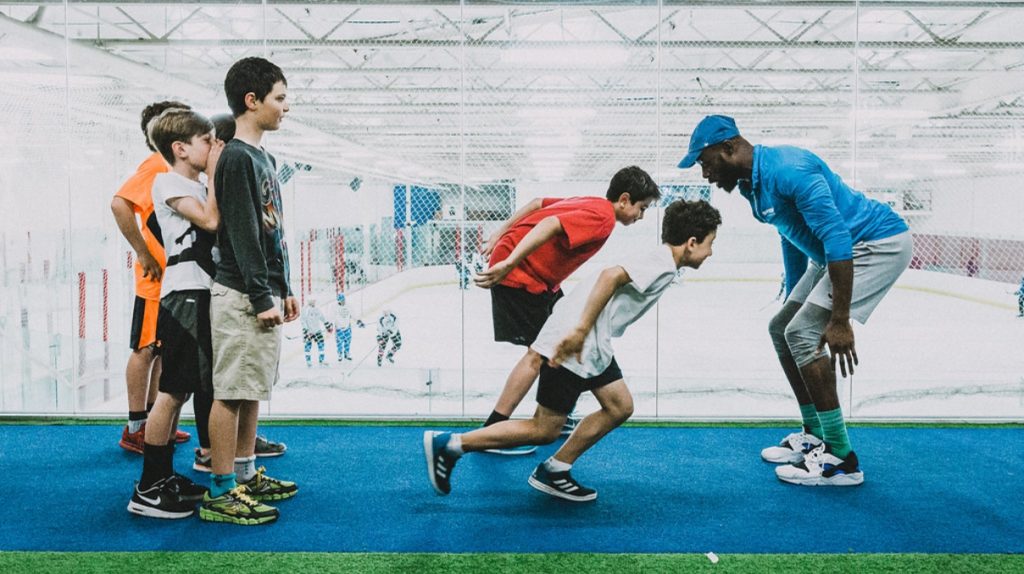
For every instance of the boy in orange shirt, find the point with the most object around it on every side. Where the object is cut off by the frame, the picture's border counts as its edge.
(135, 198)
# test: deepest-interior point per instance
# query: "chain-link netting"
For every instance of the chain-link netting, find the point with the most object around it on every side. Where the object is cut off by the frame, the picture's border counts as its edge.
(417, 130)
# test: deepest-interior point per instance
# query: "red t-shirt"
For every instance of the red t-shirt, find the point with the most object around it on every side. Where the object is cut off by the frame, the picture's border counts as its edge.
(587, 223)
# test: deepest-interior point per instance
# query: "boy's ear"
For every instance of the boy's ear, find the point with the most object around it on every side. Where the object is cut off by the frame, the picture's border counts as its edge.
(624, 196)
(178, 148)
(250, 100)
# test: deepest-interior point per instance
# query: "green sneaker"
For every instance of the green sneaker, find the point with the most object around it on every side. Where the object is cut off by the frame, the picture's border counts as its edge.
(263, 487)
(236, 507)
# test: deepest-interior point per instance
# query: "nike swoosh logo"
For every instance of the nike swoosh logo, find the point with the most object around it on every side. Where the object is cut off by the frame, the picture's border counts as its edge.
(153, 501)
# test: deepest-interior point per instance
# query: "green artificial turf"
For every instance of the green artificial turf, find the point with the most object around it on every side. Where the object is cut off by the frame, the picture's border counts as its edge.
(265, 563)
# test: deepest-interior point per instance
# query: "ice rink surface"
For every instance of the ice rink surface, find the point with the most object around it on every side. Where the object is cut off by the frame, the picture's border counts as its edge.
(938, 346)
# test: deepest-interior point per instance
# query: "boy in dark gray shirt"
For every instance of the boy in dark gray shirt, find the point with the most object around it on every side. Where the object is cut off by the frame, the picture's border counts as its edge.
(250, 298)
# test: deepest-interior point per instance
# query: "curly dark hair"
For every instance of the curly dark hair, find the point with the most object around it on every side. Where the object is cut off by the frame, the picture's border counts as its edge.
(686, 219)
(155, 109)
(253, 74)
(635, 182)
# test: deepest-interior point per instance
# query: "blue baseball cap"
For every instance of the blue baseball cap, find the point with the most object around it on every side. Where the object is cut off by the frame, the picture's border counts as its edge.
(710, 131)
(341, 297)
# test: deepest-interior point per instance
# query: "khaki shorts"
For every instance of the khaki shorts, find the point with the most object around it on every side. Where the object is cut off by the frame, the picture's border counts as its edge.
(246, 355)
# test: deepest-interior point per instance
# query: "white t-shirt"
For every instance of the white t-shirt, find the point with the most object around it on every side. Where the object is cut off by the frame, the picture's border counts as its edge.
(650, 274)
(178, 233)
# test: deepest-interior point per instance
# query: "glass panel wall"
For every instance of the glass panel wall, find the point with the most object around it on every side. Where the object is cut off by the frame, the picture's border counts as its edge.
(417, 129)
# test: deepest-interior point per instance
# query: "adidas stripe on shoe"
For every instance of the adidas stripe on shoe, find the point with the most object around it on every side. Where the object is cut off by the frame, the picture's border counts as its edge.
(439, 461)
(560, 484)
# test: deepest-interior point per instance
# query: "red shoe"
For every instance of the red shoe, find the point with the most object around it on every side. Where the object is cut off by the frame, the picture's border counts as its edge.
(181, 436)
(133, 441)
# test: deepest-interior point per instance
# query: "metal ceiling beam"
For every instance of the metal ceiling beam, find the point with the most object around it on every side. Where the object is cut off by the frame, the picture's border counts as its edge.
(417, 44)
(774, 4)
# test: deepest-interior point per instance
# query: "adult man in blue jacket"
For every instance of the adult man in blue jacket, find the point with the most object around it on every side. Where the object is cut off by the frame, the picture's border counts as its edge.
(857, 248)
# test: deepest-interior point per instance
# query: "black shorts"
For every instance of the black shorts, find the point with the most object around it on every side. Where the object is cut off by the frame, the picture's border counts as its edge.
(184, 332)
(144, 318)
(518, 314)
(559, 388)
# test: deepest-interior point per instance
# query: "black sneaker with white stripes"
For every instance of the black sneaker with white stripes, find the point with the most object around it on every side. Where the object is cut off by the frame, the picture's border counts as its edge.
(560, 484)
(439, 461)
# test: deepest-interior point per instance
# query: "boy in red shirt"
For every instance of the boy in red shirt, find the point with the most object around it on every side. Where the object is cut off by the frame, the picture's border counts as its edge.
(533, 252)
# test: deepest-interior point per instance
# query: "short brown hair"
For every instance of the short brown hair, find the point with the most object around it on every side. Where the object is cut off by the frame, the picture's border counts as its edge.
(176, 125)
(155, 109)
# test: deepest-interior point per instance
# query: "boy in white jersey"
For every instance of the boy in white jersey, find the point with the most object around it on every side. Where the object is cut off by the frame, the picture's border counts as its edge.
(576, 343)
(188, 216)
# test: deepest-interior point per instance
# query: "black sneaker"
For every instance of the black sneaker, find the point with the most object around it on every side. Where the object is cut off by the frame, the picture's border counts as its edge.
(159, 501)
(185, 488)
(560, 484)
(439, 461)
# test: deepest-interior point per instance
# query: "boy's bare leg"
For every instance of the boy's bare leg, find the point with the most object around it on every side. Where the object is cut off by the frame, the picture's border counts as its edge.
(160, 426)
(154, 380)
(519, 382)
(138, 374)
(224, 435)
(616, 408)
(543, 428)
(248, 415)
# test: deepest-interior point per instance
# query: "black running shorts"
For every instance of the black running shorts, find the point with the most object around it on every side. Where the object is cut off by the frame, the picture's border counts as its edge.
(184, 333)
(518, 314)
(560, 388)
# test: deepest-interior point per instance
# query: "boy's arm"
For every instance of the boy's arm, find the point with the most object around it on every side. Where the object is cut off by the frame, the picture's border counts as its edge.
(541, 233)
(572, 345)
(530, 207)
(206, 216)
(124, 215)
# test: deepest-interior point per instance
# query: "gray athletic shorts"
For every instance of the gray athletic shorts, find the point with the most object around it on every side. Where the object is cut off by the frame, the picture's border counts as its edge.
(246, 355)
(876, 267)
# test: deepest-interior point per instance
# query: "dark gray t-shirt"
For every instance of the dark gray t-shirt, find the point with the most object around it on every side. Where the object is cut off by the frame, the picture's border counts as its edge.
(253, 253)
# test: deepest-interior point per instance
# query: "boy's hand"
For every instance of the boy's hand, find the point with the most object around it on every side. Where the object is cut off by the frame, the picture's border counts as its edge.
(150, 268)
(488, 246)
(491, 277)
(291, 309)
(270, 318)
(571, 346)
(211, 160)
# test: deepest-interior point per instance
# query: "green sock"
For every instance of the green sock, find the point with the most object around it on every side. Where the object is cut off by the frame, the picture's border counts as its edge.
(835, 432)
(811, 423)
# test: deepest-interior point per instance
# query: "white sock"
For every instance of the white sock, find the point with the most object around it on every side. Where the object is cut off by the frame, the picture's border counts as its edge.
(556, 465)
(134, 426)
(245, 468)
(454, 445)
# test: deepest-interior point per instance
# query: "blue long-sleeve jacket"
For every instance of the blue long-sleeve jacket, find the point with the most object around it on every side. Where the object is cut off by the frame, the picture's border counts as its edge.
(817, 215)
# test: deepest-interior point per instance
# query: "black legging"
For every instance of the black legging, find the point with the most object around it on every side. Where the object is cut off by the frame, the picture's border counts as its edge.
(202, 402)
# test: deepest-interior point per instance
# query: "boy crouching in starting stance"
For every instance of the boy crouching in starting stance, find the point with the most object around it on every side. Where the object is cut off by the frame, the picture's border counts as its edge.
(576, 343)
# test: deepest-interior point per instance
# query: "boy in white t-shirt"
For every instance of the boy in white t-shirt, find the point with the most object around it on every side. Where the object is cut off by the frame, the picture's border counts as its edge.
(188, 216)
(576, 343)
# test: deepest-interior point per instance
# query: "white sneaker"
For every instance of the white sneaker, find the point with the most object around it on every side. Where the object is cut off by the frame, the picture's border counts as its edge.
(822, 468)
(792, 448)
